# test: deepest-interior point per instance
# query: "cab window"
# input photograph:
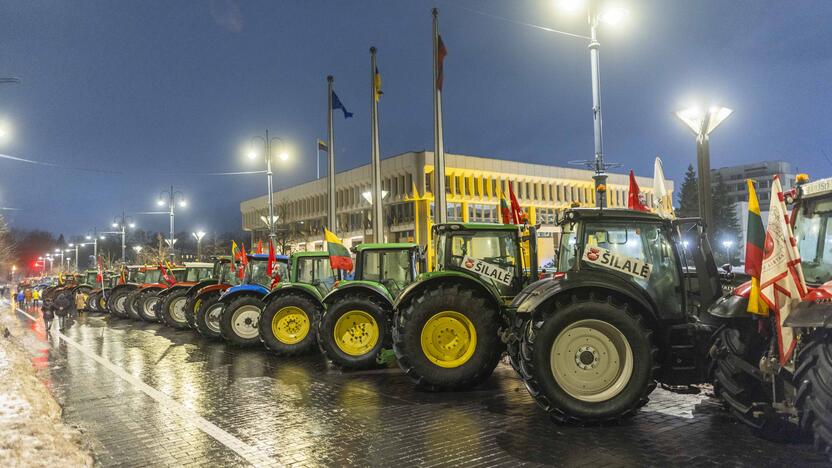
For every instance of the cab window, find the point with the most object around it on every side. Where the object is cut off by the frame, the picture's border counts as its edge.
(498, 248)
(314, 269)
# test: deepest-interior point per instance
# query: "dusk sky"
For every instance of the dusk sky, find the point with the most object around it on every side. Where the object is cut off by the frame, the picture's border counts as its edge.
(154, 90)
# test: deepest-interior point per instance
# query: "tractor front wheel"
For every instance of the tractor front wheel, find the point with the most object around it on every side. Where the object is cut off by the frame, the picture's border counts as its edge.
(132, 304)
(91, 302)
(191, 306)
(354, 331)
(288, 324)
(173, 309)
(588, 360)
(814, 388)
(146, 305)
(117, 303)
(447, 338)
(207, 316)
(238, 321)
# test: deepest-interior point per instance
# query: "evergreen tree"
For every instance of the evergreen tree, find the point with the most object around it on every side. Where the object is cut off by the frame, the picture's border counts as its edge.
(689, 195)
(726, 225)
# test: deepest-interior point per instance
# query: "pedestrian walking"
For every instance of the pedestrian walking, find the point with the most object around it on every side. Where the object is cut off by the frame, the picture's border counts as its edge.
(48, 315)
(36, 297)
(20, 298)
(28, 296)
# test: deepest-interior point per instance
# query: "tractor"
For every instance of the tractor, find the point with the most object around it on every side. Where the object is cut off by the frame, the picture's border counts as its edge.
(293, 308)
(117, 303)
(782, 400)
(355, 329)
(623, 310)
(206, 305)
(87, 284)
(142, 302)
(172, 301)
(242, 304)
(60, 298)
(97, 297)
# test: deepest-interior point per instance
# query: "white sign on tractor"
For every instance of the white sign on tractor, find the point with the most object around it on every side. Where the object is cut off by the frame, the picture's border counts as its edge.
(487, 270)
(613, 261)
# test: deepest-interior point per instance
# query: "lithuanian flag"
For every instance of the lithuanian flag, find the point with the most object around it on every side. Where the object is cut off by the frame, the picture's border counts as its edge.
(754, 243)
(339, 256)
(505, 211)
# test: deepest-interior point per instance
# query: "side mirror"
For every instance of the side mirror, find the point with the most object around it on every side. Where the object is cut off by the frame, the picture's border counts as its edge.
(727, 268)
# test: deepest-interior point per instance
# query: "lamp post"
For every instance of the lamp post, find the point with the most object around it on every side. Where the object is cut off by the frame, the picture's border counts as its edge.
(610, 15)
(727, 244)
(702, 124)
(253, 154)
(138, 249)
(76, 254)
(173, 198)
(122, 223)
(198, 236)
(94, 238)
(61, 253)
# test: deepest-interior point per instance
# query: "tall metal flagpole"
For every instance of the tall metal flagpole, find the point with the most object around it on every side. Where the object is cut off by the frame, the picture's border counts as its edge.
(330, 216)
(440, 210)
(378, 220)
(600, 176)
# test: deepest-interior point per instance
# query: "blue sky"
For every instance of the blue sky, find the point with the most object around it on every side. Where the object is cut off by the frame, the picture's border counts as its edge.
(154, 87)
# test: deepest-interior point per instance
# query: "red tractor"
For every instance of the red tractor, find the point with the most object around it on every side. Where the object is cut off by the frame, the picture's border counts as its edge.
(204, 308)
(781, 400)
(172, 301)
(143, 301)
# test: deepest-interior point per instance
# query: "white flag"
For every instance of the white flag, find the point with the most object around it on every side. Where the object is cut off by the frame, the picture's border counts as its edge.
(662, 199)
(781, 281)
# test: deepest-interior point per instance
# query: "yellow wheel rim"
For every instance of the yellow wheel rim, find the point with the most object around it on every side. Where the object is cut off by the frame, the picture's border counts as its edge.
(197, 304)
(102, 303)
(356, 333)
(449, 339)
(290, 325)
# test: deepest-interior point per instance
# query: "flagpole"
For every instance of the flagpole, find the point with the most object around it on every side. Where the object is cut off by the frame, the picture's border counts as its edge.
(378, 221)
(440, 210)
(330, 217)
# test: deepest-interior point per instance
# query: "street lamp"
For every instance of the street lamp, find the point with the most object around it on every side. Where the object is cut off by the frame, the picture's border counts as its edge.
(138, 250)
(703, 123)
(61, 253)
(122, 223)
(94, 238)
(173, 198)
(727, 244)
(284, 156)
(198, 236)
(611, 15)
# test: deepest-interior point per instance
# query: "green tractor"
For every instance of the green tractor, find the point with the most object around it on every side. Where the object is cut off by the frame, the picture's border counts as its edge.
(626, 308)
(294, 307)
(355, 329)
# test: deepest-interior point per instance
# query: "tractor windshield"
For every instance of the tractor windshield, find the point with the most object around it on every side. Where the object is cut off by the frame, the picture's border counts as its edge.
(390, 267)
(198, 274)
(813, 230)
(496, 248)
(152, 276)
(314, 270)
(566, 250)
(257, 274)
(91, 277)
(136, 276)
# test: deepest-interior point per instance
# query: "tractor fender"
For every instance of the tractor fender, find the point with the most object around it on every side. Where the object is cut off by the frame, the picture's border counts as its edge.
(176, 287)
(120, 287)
(220, 288)
(297, 288)
(82, 287)
(370, 288)
(437, 278)
(810, 314)
(153, 287)
(731, 306)
(193, 290)
(533, 299)
(243, 290)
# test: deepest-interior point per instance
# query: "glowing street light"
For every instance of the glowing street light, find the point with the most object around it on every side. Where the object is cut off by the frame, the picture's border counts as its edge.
(198, 236)
(611, 15)
(727, 244)
(702, 123)
(173, 198)
(283, 156)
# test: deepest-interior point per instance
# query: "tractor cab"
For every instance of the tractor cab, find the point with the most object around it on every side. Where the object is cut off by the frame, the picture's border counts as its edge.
(90, 278)
(392, 265)
(312, 268)
(256, 272)
(197, 271)
(811, 219)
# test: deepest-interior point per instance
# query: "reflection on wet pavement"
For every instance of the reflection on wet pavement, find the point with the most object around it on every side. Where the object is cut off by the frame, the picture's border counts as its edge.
(301, 411)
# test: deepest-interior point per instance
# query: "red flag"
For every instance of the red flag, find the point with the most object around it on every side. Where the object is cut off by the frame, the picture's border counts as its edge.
(634, 200)
(259, 246)
(272, 258)
(441, 52)
(508, 215)
(516, 211)
(241, 272)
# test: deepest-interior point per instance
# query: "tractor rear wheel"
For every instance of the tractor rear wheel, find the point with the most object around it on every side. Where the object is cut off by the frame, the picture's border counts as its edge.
(739, 383)
(814, 392)
(91, 302)
(588, 360)
(354, 330)
(132, 304)
(191, 306)
(238, 321)
(101, 303)
(173, 309)
(447, 338)
(288, 324)
(117, 303)
(207, 316)
(146, 305)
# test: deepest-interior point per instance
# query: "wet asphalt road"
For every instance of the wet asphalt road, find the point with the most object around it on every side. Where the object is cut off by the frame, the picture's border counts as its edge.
(216, 405)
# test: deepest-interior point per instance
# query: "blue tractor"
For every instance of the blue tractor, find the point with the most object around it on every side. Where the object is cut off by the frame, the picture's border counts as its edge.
(242, 304)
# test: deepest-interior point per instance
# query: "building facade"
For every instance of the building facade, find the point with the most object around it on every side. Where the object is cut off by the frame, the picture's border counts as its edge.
(473, 187)
(761, 173)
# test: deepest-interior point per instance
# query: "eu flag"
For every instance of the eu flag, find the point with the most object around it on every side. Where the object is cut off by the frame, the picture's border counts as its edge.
(337, 104)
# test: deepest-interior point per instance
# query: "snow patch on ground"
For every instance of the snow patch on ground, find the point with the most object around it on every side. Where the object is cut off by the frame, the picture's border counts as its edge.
(31, 431)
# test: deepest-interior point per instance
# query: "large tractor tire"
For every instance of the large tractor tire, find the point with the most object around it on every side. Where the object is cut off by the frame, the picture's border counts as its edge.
(288, 324)
(207, 317)
(588, 360)
(146, 305)
(117, 303)
(101, 303)
(739, 383)
(132, 304)
(191, 306)
(238, 321)
(447, 338)
(91, 300)
(354, 330)
(814, 389)
(173, 309)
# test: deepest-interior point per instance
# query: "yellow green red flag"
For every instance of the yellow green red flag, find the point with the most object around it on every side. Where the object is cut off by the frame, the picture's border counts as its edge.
(339, 256)
(754, 244)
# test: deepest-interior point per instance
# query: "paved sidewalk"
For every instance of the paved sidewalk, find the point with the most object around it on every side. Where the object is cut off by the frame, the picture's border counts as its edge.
(216, 405)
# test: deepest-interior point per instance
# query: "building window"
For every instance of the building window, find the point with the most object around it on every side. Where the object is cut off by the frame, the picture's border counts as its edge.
(429, 183)
(454, 211)
(494, 188)
(478, 213)
(546, 216)
(448, 184)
